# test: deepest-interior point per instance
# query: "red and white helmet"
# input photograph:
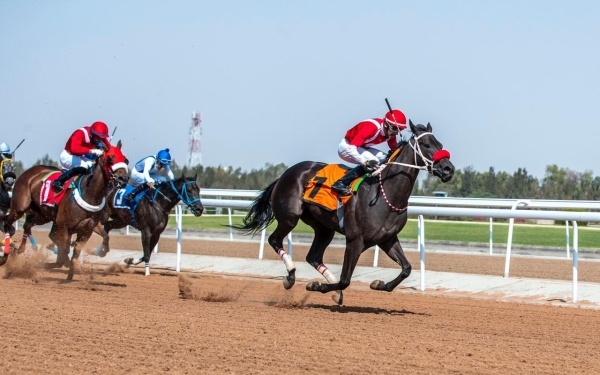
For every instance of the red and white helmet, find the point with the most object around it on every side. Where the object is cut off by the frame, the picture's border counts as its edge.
(395, 120)
(100, 129)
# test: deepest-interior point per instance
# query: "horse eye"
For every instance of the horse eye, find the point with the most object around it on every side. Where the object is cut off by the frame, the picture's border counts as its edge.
(427, 145)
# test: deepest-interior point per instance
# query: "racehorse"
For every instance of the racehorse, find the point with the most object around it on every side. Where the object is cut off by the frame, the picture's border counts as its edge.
(78, 211)
(373, 216)
(7, 180)
(151, 214)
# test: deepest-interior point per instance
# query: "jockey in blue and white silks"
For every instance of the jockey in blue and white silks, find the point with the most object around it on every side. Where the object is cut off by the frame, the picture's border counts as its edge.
(145, 173)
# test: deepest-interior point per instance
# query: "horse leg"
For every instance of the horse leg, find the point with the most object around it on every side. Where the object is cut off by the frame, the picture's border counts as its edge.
(394, 250)
(80, 241)
(284, 227)
(31, 220)
(351, 255)
(9, 228)
(61, 237)
(149, 240)
(323, 237)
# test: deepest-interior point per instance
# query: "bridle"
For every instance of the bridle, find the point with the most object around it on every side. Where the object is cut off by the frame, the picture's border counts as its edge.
(428, 164)
(183, 195)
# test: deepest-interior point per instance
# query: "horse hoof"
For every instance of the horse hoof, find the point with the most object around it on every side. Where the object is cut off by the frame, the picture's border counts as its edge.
(128, 261)
(289, 280)
(338, 297)
(313, 286)
(36, 248)
(378, 285)
(3, 260)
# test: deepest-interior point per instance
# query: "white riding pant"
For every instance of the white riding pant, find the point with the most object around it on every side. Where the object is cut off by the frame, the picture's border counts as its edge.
(359, 155)
(138, 177)
(68, 161)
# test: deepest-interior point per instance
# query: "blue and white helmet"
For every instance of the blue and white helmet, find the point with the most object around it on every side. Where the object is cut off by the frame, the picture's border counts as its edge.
(163, 157)
(5, 150)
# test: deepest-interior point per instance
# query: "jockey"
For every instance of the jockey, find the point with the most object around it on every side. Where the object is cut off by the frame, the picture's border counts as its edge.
(5, 152)
(145, 173)
(82, 148)
(357, 146)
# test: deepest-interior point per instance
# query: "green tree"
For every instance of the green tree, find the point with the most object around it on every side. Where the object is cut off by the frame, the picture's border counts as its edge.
(47, 160)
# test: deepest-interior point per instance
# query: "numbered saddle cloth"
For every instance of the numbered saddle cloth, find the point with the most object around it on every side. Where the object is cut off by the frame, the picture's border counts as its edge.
(318, 190)
(120, 202)
(48, 196)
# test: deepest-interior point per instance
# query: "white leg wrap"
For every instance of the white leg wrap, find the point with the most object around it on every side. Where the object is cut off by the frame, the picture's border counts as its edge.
(327, 274)
(289, 264)
(147, 271)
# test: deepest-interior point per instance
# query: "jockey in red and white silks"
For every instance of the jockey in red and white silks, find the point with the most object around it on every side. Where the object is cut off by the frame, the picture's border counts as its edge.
(82, 147)
(357, 146)
(81, 150)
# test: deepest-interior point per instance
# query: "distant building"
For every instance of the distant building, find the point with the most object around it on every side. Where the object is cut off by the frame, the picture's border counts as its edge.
(440, 194)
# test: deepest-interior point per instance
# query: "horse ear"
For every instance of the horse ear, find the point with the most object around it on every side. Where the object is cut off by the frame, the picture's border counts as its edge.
(429, 128)
(412, 126)
(196, 176)
(119, 144)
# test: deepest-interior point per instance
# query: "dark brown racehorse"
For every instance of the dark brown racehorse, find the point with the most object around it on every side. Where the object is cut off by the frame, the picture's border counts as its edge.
(151, 214)
(374, 216)
(78, 212)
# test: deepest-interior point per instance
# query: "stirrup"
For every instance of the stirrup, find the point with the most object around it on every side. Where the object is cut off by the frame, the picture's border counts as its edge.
(344, 190)
(57, 185)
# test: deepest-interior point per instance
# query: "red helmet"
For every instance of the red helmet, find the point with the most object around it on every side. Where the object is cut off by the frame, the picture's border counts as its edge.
(100, 129)
(395, 120)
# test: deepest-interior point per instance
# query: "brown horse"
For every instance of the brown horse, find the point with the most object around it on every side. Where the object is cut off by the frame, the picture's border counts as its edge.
(78, 212)
(374, 216)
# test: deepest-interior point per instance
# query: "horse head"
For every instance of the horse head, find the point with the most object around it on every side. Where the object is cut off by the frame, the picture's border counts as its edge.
(114, 165)
(8, 174)
(189, 193)
(432, 154)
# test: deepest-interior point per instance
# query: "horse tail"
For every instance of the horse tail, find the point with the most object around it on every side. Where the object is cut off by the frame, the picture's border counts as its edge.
(260, 214)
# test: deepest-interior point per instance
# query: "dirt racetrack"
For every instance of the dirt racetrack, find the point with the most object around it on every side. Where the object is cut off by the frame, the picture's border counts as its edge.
(114, 320)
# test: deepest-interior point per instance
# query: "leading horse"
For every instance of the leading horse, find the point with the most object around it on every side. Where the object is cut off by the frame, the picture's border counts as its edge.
(374, 216)
(78, 212)
(150, 215)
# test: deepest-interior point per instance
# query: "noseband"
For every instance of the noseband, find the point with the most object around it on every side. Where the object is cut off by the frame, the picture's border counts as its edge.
(428, 164)
(437, 156)
(183, 195)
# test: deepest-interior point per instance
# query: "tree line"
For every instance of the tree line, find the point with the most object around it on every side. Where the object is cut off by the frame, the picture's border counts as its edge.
(557, 183)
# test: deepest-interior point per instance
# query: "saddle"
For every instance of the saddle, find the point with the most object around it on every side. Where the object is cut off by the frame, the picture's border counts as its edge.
(48, 195)
(120, 201)
(318, 190)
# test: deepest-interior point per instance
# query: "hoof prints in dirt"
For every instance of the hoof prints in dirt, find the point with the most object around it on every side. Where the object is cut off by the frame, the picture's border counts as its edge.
(187, 290)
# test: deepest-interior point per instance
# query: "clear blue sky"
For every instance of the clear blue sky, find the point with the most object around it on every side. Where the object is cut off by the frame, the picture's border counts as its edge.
(507, 84)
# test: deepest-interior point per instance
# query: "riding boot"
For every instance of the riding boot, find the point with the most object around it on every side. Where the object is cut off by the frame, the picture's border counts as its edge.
(59, 183)
(342, 186)
(138, 189)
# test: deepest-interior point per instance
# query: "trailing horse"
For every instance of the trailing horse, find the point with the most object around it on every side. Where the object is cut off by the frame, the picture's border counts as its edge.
(150, 215)
(373, 216)
(7, 180)
(78, 212)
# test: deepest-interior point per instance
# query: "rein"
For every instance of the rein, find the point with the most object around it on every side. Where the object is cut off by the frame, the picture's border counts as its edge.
(183, 195)
(441, 154)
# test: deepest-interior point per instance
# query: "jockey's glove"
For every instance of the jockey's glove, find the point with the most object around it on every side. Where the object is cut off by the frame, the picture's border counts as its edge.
(97, 152)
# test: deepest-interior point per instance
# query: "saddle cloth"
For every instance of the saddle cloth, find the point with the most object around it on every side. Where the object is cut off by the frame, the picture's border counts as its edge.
(120, 202)
(318, 190)
(48, 196)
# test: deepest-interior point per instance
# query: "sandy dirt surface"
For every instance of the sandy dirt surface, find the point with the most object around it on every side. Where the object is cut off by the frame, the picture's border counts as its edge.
(114, 320)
